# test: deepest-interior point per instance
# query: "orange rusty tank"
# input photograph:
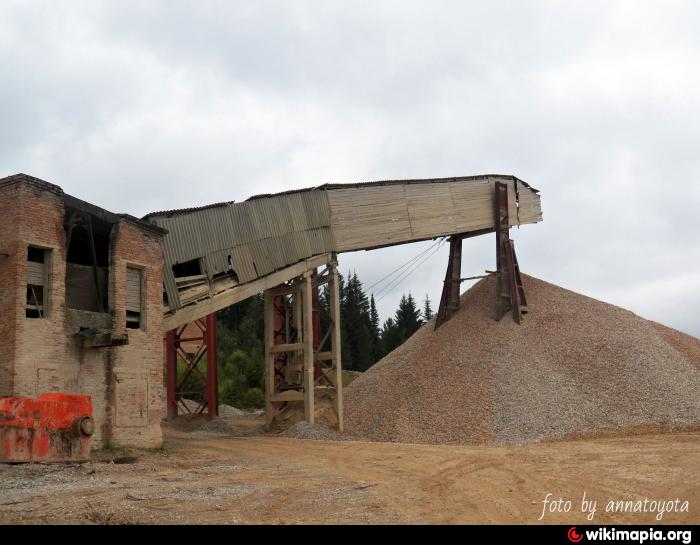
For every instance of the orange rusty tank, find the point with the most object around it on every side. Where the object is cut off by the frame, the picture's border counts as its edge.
(53, 428)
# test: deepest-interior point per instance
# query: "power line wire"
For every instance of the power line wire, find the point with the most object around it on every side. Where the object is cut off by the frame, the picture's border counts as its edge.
(387, 289)
(408, 263)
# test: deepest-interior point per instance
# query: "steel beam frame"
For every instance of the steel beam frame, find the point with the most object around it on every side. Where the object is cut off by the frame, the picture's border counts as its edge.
(510, 294)
(191, 350)
(449, 300)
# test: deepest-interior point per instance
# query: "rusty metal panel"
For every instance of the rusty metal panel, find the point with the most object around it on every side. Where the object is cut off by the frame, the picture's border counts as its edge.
(55, 427)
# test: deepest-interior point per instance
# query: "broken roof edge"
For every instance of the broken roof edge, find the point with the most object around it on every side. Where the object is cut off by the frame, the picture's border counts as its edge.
(30, 180)
(177, 211)
(396, 182)
(74, 202)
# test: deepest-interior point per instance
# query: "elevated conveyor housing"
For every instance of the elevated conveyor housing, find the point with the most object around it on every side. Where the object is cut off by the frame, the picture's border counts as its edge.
(219, 254)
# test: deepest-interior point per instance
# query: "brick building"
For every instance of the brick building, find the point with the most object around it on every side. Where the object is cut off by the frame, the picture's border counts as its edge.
(81, 307)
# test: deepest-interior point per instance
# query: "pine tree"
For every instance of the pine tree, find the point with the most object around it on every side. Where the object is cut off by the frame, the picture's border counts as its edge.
(375, 333)
(355, 313)
(427, 309)
(390, 337)
(407, 317)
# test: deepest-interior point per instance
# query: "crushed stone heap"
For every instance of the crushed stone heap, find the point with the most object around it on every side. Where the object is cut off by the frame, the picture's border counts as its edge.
(575, 367)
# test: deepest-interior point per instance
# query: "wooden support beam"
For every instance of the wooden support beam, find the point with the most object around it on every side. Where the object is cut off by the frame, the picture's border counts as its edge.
(297, 313)
(212, 368)
(269, 360)
(285, 289)
(237, 293)
(287, 347)
(308, 340)
(93, 255)
(335, 342)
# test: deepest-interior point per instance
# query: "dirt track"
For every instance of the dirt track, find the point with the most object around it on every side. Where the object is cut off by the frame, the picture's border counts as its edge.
(219, 479)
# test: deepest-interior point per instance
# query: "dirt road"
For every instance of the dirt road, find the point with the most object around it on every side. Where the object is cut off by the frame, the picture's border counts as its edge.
(204, 478)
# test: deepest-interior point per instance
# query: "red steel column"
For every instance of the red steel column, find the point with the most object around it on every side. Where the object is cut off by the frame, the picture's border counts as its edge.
(171, 372)
(279, 336)
(212, 374)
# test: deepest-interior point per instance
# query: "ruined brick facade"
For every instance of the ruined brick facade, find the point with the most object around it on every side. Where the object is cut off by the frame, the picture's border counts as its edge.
(78, 350)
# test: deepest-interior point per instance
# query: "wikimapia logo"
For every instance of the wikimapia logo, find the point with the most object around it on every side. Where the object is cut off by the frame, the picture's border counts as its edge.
(633, 536)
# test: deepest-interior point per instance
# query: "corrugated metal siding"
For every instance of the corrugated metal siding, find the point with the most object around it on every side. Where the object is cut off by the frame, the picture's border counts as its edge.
(252, 238)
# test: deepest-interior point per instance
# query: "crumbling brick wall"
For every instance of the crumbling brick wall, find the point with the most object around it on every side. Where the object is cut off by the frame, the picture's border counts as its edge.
(138, 366)
(47, 354)
(9, 240)
(39, 344)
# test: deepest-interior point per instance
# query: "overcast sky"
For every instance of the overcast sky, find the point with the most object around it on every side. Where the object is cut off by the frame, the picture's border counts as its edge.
(145, 105)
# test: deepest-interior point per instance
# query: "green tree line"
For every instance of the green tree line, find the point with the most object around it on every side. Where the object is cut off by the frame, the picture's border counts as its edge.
(364, 340)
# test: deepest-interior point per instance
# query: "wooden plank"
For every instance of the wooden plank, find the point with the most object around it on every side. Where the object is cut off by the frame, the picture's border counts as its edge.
(335, 343)
(269, 360)
(288, 347)
(187, 279)
(287, 289)
(368, 216)
(297, 312)
(192, 294)
(308, 339)
(430, 209)
(242, 291)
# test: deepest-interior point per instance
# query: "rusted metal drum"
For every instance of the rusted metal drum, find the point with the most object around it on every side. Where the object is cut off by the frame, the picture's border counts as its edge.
(53, 428)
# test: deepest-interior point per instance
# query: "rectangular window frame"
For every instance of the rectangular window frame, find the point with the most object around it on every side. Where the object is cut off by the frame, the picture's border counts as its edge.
(130, 313)
(42, 286)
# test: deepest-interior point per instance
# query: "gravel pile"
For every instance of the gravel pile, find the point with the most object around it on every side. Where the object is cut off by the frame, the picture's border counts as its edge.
(227, 411)
(575, 367)
(317, 432)
(219, 426)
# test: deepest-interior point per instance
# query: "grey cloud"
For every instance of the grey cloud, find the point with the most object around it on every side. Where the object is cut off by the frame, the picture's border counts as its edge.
(140, 106)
